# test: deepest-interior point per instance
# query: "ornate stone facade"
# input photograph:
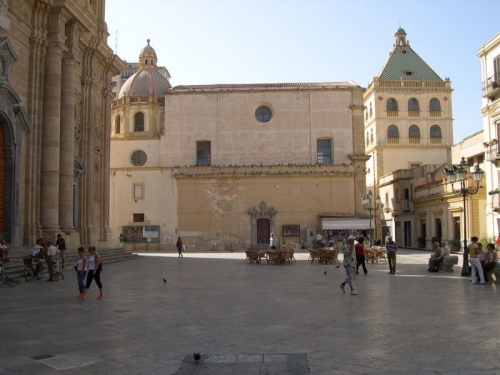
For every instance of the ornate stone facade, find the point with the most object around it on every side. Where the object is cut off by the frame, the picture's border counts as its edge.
(56, 70)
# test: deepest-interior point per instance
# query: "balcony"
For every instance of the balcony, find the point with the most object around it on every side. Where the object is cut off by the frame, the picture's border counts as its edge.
(434, 113)
(493, 154)
(436, 141)
(413, 113)
(495, 202)
(491, 87)
(413, 141)
(392, 113)
(393, 141)
(405, 205)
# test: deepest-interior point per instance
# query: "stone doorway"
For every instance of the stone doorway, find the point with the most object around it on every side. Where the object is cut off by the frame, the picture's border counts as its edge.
(2, 183)
(262, 224)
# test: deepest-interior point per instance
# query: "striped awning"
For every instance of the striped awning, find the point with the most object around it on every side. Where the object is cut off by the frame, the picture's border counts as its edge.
(343, 223)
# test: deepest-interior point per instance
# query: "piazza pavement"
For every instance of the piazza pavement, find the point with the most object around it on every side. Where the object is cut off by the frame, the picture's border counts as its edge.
(252, 319)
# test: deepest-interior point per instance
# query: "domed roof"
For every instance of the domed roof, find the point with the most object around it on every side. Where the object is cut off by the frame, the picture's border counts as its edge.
(145, 83)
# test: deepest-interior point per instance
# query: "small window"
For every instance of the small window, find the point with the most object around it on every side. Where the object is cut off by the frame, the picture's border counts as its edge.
(117, 125)
(371, 135)
(138, 191)
(203, 153)
(139, 122)
(414, 165)
(367, 138)
(414, 132)
(434, 105)
(139, 158)
(263, 114)
(138, 218)
(324, 151)
(392, 105)
(413, 104)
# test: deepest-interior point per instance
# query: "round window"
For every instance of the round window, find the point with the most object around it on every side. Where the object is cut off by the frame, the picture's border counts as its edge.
(139, 158)
(263, 114)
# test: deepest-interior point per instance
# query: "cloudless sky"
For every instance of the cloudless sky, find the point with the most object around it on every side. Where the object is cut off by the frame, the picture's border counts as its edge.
(277, 41)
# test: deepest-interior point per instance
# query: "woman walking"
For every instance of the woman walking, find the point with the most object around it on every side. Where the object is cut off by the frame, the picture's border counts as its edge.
(81, 269)
(360, 255)
(94, 272)
(349, 264)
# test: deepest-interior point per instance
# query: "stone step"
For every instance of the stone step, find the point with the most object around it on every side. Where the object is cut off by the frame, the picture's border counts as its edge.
(16, 265)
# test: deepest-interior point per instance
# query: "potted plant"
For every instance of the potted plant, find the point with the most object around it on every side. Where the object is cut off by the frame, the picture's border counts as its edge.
(454, 245)
(421, 242)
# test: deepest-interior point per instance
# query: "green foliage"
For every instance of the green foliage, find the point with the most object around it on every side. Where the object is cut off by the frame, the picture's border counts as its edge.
(485, 240)
(455, 243)
(435, 239)
(421, 240)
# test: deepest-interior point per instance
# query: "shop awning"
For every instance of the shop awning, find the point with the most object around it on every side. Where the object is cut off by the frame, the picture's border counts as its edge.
(343, 223)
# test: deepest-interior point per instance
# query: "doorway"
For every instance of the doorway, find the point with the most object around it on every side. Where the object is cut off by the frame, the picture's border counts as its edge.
(263, 233)
(407, 233)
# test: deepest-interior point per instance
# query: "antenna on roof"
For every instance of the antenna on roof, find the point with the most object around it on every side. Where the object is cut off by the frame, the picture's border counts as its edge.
(116, 43)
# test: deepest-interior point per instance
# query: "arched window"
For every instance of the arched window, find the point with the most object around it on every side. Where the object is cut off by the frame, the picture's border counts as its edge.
(392, 131)
(436, 131)
(413, 105)
(414, 131)
(117, 125)
(139, 122)
(435, 105)
(392, 105)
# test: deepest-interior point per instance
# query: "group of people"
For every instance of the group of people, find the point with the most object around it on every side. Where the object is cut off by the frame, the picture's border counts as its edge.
(354, 251)
(49, 252)
(87, 268)
(482, 261)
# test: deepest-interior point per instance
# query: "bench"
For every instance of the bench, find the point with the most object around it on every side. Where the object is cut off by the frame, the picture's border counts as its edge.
(447, 264)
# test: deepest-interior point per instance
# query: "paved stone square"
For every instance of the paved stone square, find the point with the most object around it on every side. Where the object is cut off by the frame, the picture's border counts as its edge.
(414, 322)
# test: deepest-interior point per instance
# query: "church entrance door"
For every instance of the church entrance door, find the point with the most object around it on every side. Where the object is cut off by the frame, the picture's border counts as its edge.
(2, 183)
(263, 233)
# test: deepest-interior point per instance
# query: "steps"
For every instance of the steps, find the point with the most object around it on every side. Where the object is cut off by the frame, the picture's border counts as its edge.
(16, 266)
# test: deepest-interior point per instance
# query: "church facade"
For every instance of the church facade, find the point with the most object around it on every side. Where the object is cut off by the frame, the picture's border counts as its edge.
(223, 166)
(55, 70)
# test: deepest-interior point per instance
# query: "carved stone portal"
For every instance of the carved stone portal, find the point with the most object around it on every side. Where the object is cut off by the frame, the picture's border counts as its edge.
(265, 212)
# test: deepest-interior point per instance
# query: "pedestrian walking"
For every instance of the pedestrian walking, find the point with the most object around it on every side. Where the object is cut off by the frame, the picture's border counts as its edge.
(272, 242)
(61, 245)
(349, 264)
(94, 267)
(179, 247)
(81, 269)
(391, 248)
(475, 264)
(360, 255)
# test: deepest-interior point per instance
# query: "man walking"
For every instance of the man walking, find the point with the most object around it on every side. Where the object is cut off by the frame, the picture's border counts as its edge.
(391, 255)
(52, 251)
(272, 242)
(61, 245)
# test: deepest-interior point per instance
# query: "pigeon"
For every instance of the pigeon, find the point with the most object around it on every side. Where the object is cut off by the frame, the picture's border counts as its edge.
(337, 266)
(164, 280)
(325, 272)
(196, 356)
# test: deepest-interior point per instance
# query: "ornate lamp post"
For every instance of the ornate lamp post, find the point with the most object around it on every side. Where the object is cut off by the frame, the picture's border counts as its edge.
(459, 174)
(367, 202)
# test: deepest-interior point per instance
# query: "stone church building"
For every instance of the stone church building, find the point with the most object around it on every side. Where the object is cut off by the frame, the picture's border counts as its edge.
(55, 95)
(225, 165)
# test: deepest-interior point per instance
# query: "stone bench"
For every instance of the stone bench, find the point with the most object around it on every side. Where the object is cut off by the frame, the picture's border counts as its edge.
(448, 262)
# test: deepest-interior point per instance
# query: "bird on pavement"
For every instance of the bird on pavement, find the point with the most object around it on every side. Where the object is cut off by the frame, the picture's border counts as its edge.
(164, 280)
(337, 266)
(196, 356)
(325, 272)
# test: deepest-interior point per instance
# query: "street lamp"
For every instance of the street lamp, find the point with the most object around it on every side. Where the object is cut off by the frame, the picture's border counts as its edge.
(459, 174)
(367, 202)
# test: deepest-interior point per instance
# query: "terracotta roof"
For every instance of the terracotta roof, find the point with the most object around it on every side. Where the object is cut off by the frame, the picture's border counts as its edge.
(264, 86)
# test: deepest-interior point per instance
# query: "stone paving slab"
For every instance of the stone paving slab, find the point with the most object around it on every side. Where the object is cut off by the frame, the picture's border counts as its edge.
(413, 322)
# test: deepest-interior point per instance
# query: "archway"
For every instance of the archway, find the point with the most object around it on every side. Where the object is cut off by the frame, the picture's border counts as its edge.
(263, 233)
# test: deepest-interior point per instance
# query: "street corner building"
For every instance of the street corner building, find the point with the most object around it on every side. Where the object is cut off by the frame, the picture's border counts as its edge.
(224, 165)
(55, 95)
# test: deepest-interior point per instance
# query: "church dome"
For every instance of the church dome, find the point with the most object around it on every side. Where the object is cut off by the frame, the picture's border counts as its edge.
(147, 81)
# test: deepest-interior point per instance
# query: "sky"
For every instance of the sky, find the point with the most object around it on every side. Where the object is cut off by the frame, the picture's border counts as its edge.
(278, 41)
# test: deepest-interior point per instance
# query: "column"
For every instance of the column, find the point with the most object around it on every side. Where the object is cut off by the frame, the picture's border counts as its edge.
(67, 139)
(49, 215)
